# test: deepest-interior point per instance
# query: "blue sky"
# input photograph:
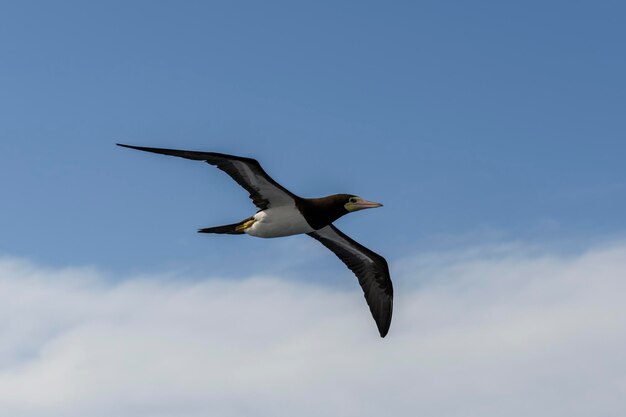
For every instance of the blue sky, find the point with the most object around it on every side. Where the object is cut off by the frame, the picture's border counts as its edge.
(493, 132)
(462, 118)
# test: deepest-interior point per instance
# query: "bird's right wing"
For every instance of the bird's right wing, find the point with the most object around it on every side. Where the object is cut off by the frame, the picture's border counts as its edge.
(370, 268)
(264, 191)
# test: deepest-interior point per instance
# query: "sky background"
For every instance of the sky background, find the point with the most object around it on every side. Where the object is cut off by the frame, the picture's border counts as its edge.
(493, 132)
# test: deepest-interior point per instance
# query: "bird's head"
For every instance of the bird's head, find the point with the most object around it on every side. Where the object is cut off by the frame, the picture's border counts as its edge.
(356, 203)
(321, 212)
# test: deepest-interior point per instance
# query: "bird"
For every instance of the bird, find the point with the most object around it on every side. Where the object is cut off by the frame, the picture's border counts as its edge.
(282, 213)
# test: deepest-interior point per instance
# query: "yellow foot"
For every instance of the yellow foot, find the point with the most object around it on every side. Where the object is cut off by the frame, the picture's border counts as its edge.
(245, 225)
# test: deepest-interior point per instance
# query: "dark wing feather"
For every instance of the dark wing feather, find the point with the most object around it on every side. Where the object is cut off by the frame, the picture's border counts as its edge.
(264, 191)
(370, 268)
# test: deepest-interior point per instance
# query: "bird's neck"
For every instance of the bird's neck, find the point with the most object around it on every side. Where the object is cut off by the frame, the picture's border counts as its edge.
(320, 212)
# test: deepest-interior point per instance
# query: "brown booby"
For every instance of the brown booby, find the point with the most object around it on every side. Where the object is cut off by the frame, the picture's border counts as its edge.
(282, 213)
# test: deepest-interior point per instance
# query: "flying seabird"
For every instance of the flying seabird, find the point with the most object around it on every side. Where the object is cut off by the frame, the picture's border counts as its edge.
(282, 213)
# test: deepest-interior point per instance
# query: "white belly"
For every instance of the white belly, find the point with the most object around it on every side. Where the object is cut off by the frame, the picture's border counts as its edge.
(279, 221)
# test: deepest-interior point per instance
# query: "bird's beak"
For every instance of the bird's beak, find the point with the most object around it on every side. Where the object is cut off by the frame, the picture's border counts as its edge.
(364, 204)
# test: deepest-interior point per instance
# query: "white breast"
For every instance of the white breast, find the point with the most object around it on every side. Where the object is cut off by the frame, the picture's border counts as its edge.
(279, 221)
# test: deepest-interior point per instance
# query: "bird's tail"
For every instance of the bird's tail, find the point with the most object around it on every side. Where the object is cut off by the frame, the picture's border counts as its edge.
(231, 229)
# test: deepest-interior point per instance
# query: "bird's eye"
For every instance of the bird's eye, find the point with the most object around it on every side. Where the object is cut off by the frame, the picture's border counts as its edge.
(353, 200)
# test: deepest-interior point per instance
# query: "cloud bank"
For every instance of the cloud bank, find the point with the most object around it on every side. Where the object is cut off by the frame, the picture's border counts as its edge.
(497, 332)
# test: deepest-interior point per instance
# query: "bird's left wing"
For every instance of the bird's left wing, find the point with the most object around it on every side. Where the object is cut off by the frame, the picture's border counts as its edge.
(264, 191)
(370, 268)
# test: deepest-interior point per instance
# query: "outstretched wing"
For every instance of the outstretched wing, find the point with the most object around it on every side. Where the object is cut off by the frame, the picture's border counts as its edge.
(370, 268)
(264, 191)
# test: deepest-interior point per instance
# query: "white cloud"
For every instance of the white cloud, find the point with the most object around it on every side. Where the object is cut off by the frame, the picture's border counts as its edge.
(498, 332)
